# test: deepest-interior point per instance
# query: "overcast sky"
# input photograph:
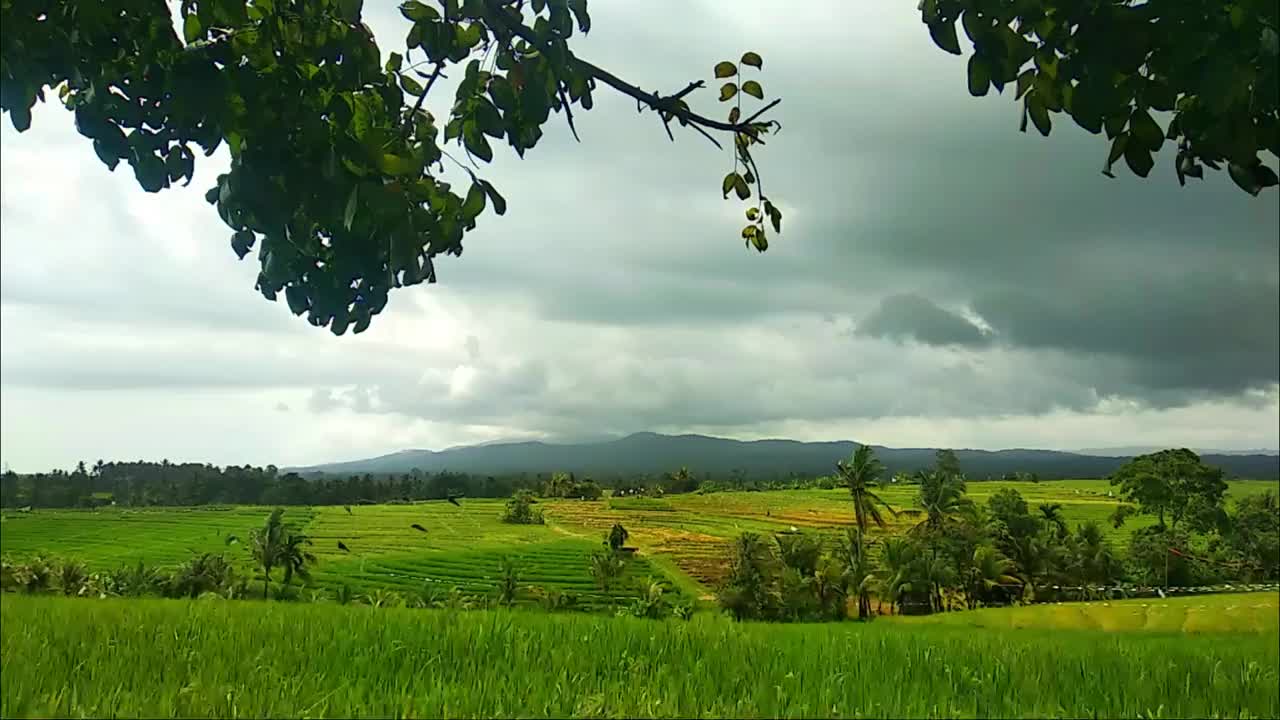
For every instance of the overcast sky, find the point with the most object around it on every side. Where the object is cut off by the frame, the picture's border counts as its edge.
(942, 280)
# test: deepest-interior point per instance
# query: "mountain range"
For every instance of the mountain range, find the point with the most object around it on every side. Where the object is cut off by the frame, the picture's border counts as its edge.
(651, 453)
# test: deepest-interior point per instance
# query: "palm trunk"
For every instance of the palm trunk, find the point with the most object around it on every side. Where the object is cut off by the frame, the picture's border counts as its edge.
(266, 583)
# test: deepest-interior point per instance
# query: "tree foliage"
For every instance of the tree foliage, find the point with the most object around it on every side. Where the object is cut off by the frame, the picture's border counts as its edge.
(1174, 484)
(1207, 68)
(337, 166)
(276, 545)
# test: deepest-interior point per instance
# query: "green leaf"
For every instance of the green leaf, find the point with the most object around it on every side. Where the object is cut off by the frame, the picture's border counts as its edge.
(109, 158)
(740, 187)
(1145, 131)
(474, 204)
(579, 9)
(1117, 150)
(349, 214)
(297, 299)
(469, 36)
(734, 114)
(150, 172)
(394, 62)
(1038, 112)
(729, 181)
(752, 88)
(1138, 158)
(502, 93)
(488, 120)
(499, 203)
(775, 216)
(399, 165)
(418, 12)
(979, 76)
(350, 9)
(1024, 83)
(727, 91)
(752, 59)
(474, 140)
(944, 35)
(191, 28)
(1244, 178)
(753, 213)
(410, 85)
(242, 242)
(725, 69)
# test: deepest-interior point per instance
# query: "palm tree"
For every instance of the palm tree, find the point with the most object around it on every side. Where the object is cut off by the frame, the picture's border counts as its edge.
(1094, 561)
(275, 545)
(936, 573)
(861, 472)
(943, 498)
(859, 575)
(990, 570)
(894, 576)
(1052, 514)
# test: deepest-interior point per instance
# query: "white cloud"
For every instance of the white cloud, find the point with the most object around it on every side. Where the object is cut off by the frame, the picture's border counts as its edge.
(615, 295)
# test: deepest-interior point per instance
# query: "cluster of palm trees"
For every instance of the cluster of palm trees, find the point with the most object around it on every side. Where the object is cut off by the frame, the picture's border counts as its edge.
(953, 553)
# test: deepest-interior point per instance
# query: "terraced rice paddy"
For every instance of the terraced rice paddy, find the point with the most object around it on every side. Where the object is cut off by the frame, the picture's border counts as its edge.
(694, 531)
(683, 539)
(462, 546)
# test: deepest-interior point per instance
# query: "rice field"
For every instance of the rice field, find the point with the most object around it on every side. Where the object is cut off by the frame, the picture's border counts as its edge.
(1234, 612)
(208, 658)
(694, 531)
(461, 546)
(683, 540)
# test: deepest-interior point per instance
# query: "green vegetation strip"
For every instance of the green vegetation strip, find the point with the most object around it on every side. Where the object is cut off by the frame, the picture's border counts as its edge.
(154, 658)
(1235, 612)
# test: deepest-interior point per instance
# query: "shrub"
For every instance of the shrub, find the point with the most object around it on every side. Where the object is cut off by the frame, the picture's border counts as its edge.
(520, 510)
(71, 577)
(652, 604)
(201, 574)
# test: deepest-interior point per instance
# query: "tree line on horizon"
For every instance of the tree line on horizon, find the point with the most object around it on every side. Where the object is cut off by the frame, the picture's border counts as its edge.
(146, 483)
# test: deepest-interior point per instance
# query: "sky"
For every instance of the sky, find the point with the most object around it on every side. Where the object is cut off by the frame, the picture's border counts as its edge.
(941, 280)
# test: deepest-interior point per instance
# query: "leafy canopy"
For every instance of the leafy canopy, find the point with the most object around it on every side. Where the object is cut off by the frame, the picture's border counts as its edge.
(1207, 68)
(336, 163)
(1173, 484)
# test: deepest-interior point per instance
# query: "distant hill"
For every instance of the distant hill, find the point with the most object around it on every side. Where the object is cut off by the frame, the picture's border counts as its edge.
(653, 453)
(1130, 451)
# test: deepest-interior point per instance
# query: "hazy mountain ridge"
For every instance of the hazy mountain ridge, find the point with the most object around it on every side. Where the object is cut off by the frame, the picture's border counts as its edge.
(648, 452)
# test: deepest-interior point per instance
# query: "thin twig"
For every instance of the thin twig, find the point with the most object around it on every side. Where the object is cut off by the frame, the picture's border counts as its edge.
(761, 111)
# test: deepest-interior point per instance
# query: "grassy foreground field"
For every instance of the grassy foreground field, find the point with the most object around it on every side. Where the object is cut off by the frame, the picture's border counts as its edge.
(157, 658)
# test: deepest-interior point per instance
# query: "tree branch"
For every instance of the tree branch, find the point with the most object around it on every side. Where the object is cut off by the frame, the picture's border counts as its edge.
(668, 104)
(422, 98)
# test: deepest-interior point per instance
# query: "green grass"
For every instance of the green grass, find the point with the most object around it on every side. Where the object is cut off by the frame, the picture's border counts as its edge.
(155, 658)
(1236, 612)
